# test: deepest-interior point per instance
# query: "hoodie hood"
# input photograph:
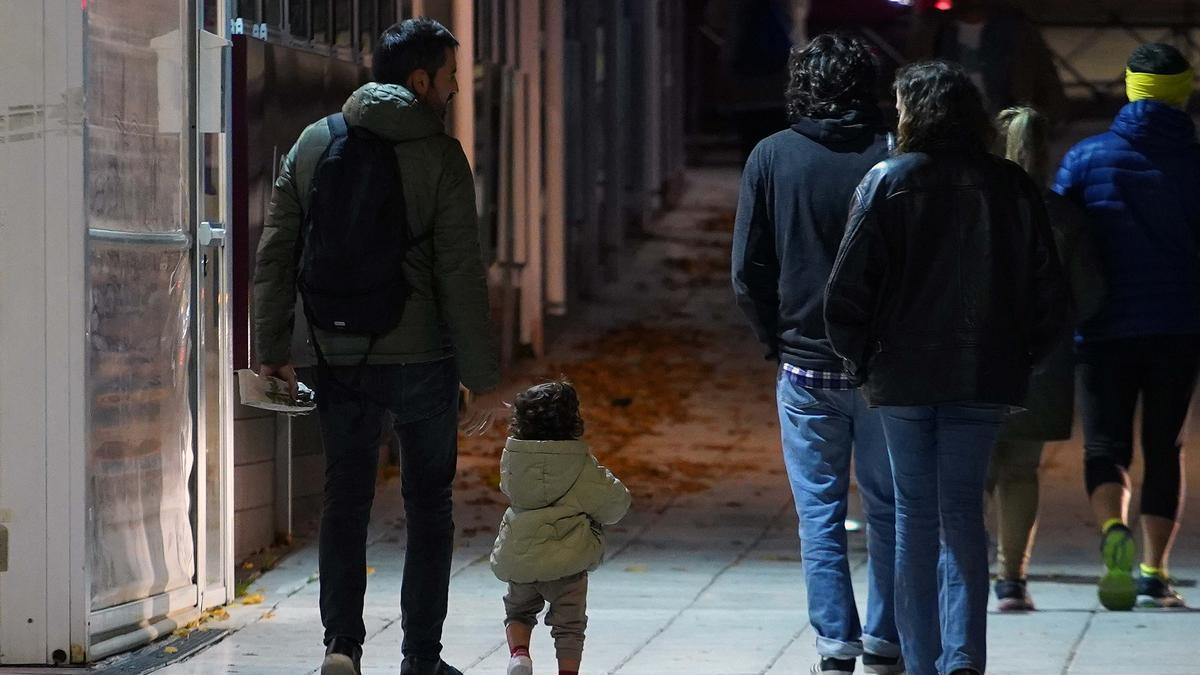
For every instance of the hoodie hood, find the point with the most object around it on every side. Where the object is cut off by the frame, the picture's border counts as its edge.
(392, 112)
(1155, 124)
(852, 126)
(535, 474)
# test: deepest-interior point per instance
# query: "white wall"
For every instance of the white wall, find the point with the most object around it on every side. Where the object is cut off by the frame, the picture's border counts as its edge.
(42, 236)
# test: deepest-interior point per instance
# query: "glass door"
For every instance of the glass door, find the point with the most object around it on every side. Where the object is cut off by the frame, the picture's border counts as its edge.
(141, 451)
(214, 320)
(159, 379)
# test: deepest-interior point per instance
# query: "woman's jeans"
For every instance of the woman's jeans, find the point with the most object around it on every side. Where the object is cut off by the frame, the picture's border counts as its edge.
(940, 459)
(820, 428)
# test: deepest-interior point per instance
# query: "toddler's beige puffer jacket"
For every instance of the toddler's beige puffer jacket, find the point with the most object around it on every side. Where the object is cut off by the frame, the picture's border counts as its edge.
(561, 499)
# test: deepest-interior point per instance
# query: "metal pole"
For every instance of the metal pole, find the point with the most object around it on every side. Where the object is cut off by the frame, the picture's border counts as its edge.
(464, 102)
(532, 276)
(556, 161)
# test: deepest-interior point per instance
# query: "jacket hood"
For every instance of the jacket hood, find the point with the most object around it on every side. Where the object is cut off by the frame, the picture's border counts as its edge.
(535, 474)
(1155, 124)
(851, 126)
(391, 111)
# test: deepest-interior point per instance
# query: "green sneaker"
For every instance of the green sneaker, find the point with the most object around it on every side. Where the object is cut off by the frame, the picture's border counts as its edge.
(1117, 589)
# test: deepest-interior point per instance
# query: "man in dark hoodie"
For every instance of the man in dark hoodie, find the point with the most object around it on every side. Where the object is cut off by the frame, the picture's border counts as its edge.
(444, 337)
(792, 213)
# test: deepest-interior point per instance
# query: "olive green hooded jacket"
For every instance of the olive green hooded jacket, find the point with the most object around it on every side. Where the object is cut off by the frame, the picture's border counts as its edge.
(561, 499)
(447, 313)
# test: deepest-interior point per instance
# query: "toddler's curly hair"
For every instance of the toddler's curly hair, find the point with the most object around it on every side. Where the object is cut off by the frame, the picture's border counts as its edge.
(547, 412)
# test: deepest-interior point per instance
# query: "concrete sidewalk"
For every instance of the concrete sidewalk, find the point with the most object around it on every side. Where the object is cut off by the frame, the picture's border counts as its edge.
(704, 575)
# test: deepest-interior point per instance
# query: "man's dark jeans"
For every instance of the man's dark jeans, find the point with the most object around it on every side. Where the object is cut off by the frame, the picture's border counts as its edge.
(424, 399)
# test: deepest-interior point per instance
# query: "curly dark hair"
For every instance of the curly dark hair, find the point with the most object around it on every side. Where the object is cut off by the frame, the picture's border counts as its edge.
(547, 412)
(942, 108)
(833, 74)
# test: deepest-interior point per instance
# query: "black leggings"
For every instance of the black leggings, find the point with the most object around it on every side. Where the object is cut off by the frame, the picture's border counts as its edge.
(1112, 373)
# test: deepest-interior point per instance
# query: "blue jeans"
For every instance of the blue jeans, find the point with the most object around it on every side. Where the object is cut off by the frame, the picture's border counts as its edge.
(819, 428)
(940, 457)
(423, 398)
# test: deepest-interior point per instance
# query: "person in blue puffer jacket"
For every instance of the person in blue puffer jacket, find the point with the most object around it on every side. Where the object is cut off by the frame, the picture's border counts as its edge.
(1139, 184)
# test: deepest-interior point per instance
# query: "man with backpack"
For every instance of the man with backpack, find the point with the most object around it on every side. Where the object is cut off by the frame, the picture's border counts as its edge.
(373, 221)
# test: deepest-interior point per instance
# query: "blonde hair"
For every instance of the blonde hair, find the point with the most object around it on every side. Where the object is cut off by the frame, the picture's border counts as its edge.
(1025, 137)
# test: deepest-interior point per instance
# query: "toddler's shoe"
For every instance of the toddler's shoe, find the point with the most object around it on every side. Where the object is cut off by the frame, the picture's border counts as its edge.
(520, 665)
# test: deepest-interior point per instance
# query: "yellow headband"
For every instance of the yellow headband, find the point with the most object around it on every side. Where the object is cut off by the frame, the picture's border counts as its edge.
(1173, 89)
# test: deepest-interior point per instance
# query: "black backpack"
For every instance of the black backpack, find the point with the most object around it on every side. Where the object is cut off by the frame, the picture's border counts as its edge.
(355, 237)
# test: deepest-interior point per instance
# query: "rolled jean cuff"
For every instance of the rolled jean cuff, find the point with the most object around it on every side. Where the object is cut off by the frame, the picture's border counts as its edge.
(568, 653)
(523, 621)
(961, 663)
(830, 648)
(879, 647)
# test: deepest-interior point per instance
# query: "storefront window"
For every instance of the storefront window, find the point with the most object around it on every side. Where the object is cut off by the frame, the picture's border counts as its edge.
(343, 22)
(319, 17)
(273, 13)
(368, 32)
(246, 9)
(298, 18)
(387, 14)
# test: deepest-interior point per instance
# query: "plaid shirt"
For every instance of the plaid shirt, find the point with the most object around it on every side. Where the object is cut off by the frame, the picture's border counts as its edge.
(818, 379)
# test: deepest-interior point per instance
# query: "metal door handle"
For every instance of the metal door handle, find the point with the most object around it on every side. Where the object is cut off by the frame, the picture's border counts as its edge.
(211, 234)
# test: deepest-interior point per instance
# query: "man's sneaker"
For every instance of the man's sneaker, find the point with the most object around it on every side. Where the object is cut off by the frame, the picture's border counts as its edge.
(833, 667)
(414, 666)
(343, 656)
(520, 665)
(1012, 595)
(881, 665)
(1116, 589)
(1156, 591)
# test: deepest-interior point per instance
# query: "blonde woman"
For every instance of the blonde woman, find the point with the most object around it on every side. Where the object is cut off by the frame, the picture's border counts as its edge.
(1049, 405)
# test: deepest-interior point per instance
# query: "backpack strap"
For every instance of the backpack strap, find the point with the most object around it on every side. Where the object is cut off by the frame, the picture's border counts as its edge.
(337, 125)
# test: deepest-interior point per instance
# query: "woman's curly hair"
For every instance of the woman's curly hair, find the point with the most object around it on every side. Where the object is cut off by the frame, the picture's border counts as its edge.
(942, 107)
(833, 74)
(547, 412)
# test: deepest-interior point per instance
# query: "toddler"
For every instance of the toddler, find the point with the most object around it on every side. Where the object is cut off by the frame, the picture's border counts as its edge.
(552, 535)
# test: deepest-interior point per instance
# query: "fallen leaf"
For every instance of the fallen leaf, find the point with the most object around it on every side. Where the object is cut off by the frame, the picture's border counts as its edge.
(370, 570)
(268, 615)
(171, 650)
(253, 599)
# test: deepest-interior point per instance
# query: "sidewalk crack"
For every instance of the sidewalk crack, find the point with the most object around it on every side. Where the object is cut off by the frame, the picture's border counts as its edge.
(1075, 645)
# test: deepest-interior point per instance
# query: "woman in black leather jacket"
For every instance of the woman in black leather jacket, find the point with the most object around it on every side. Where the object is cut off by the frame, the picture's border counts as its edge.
(945, 293)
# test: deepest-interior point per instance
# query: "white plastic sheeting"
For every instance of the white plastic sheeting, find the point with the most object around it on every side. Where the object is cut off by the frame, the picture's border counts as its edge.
(140, 453)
